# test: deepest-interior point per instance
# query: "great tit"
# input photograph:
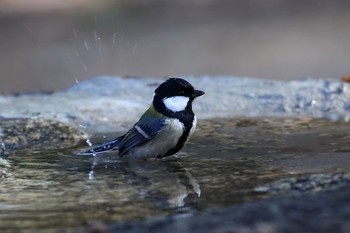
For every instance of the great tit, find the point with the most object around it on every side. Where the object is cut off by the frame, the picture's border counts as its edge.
(163, 129)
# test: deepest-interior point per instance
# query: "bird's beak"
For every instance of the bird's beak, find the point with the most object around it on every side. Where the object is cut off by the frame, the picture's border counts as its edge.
(197, 93)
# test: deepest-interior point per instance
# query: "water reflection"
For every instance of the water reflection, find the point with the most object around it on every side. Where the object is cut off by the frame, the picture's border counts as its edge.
(166, 183)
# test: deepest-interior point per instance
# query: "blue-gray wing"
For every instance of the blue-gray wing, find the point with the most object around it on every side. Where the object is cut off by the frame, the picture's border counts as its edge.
(143, 131)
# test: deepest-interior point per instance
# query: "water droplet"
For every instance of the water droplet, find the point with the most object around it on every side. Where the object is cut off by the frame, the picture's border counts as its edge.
(91, 175)
(84, 66)
(114, 39)
(75, 33)
(86, 45)
(95, 36)
(88, 142)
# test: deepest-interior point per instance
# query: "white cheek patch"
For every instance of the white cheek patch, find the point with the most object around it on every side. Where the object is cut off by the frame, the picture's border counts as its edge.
(176, 103)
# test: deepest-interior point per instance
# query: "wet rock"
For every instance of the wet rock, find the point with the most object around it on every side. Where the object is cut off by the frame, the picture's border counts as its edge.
(106, 105)
(20, 133)
(112, 104)
(283, 136)
(302, 184)
(321, 212)
(98, 227)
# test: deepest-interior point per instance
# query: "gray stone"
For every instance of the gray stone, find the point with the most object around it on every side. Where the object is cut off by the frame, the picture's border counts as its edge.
(110, 104)
(316, 212)
(20, 133)
(303, 184)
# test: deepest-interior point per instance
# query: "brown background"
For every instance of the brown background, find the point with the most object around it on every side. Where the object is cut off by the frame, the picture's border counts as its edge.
(50, 45)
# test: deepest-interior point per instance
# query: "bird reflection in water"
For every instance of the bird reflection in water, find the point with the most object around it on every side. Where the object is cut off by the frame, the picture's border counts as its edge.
(164, 182)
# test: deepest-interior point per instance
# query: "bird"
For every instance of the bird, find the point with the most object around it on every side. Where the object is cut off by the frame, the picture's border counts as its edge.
(163, 129)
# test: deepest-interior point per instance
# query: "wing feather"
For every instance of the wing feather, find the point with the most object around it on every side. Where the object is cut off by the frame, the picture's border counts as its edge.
(143, 131)
(108, 146)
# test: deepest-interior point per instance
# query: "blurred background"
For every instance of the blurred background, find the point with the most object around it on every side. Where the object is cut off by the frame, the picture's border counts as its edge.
(48, 45)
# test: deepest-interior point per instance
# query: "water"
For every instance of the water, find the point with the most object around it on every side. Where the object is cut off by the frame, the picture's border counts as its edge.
(55, 190)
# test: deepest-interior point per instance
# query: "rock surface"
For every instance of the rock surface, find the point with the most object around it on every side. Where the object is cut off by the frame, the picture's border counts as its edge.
(303, 184)
(322, 212)
(18, 133)
(109, 104)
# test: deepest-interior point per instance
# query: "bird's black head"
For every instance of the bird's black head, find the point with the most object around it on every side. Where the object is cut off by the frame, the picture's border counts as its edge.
(175, 95)
(177, 87)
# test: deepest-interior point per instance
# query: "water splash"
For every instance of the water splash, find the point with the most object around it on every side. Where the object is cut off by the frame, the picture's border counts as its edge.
(94, 163)
(75, 33)
(88, 142)
(84, 126)
(87, 45)
(97, 39)
(91, 174)
(80, 60)
(114, 39)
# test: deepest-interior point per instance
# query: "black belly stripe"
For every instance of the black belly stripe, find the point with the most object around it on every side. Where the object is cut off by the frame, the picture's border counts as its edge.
(186, 117)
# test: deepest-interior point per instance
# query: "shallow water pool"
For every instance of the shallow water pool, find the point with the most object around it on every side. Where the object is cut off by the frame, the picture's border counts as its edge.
(56, 191)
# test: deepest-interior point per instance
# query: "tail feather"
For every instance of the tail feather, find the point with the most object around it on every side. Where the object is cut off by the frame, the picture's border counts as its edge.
(106, 147)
